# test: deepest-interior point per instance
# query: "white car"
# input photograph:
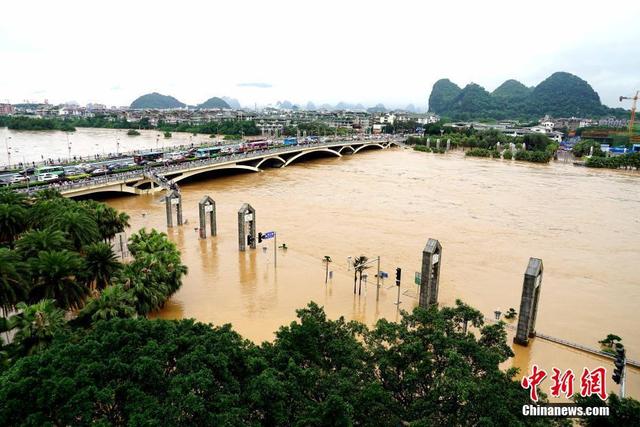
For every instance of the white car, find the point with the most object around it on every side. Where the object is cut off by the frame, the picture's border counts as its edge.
(47, 177)
(16, 179)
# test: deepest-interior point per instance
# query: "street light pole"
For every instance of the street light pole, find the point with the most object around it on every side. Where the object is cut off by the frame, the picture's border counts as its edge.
(68, 148)
(327, 260)
(6, 143)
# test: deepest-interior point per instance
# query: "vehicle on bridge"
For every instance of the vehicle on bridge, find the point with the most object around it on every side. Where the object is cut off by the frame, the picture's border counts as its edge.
(144, 158)
(48, 177)
(53, 170)
(247, 147)
(208, 152)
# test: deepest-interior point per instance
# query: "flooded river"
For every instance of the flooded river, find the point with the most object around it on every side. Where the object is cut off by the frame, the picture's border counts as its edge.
(35, 146)
(490, 217)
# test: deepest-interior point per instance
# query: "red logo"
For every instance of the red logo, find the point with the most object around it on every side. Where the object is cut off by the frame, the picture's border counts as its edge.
(591, 382)
(562, 383)
(531, 382)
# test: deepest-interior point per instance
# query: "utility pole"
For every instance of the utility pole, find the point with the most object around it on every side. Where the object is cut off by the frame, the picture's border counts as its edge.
(327, 260)
(6, 143)
(68, 148)
(398, 277)
(378, 279)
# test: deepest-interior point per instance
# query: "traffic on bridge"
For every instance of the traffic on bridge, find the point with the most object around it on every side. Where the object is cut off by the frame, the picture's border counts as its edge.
(151, 171)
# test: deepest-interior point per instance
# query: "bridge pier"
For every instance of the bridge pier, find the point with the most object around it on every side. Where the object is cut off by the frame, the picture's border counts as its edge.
(246, 217)
(430, 276)
(529, 302)
(207, 206)
(173, 199)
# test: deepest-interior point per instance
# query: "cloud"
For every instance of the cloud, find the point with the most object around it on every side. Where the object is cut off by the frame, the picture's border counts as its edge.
(260, 85)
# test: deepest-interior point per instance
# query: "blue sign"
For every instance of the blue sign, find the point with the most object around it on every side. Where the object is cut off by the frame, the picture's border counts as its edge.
(383, 274)
(268, 235)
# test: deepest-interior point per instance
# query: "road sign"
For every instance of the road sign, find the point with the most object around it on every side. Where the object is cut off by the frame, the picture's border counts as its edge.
(418, 278)
(384, 274)
(268, 235)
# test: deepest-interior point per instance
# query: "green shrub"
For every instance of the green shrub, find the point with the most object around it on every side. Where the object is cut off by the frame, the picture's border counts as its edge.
(478, 152)
(507, 155)
(534, 156)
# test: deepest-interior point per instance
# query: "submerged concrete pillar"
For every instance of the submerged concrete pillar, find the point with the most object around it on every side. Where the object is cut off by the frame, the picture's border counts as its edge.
(207, 206)
(173, 199)
(430, 275)
(246, 219)
(529, 302)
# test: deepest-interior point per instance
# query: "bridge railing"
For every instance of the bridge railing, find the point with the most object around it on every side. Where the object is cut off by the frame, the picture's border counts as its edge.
(99, 181)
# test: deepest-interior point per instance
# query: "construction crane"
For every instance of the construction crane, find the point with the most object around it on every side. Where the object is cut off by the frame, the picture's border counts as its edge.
(633, 110)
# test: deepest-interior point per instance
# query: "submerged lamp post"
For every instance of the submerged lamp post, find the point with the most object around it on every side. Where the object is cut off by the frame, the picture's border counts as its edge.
(326, 260)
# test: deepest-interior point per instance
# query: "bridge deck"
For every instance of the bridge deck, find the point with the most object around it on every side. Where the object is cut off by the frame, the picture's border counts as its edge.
(122, 182)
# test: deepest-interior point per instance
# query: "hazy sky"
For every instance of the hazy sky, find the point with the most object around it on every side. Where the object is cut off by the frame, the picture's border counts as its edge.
(324, 51)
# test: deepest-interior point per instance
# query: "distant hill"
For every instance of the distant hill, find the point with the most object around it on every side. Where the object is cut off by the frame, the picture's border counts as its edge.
(156, 101)
(563, 94)
(511, 90)
(443, 92)
(214, 102)
(560, 95)
(233, 103)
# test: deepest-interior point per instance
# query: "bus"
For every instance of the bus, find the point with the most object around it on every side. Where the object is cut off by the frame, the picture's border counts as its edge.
(260, 144)
(54, 170)
(290, 141)
(144, 158)
(206, 152)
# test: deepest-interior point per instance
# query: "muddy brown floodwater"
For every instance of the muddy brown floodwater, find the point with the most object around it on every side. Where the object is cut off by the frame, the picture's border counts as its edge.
(489, 215)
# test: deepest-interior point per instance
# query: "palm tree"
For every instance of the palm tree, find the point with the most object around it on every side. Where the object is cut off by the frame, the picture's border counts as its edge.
(79, 226)
(10, 197)
(13, 284)
(43, 211)
(34, 241)
(48, 194)
(109, 221)
(101, 264)
(13, 219)
(58, 275)
(115, 301)
(359, 265)
(36, 326)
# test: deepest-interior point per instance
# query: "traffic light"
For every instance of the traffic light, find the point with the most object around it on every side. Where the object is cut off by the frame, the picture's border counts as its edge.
(249, 240)
(398, 276)
(259, 237)
(619, 363)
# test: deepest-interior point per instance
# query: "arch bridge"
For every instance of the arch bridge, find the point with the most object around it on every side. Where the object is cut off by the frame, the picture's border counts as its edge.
(163, 177)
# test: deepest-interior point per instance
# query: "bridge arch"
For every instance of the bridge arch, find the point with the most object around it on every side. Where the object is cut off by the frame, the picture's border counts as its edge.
(191, 173)
(347, 146)
(88, 191)
(368, 146)
(303, 153)
(280, 159)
